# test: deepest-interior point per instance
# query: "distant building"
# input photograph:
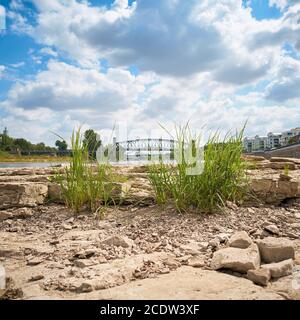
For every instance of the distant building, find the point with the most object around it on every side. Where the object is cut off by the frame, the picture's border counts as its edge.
(272, 140)
(295, 139)
(255, 144)
(287, 136)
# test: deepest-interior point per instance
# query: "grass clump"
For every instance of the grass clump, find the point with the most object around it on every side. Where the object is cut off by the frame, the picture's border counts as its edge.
(84, 183)
(222, 177)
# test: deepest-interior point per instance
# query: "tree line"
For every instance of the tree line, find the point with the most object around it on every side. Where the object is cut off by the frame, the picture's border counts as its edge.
(19, 145)
(16, 145)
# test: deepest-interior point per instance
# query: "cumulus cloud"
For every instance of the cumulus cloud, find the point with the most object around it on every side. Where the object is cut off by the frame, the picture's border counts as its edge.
(283, 30)
(65, 87)
(286, 83)
(173, 38)
(281, 4)
(192, 57)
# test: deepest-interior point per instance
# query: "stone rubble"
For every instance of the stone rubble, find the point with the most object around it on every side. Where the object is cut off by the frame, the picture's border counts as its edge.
(50, 253)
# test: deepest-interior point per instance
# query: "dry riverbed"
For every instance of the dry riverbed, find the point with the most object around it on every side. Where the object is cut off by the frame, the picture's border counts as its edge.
(136, 253)
(143, 251)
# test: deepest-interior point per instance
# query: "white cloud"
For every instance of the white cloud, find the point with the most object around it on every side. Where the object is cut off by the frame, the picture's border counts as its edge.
(286, 83)
(49, 51)
(193, 56)
(66, 87)
(281, 4)
(18, 64)
(2, 69)
(167, 37)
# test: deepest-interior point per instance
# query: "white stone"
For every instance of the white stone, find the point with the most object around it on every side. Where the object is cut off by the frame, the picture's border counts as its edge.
(236, 259)
(272, 228)
(240, 240)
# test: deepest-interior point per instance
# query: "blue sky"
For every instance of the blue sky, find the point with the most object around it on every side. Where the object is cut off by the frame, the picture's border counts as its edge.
(98, 62)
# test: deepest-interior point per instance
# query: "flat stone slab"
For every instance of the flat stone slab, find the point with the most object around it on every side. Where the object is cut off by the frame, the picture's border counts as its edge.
(27, 194)
(187, 283)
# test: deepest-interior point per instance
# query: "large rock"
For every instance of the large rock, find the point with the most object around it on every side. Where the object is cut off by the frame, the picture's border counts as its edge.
(279, 269)
(274, 191)
(259, 276)
(118, 241)
(236, 259)
(22, 194)
(275, 249)
(240, 240)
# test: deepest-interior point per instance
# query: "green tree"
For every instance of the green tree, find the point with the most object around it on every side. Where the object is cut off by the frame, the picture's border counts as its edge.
(22, 144)
(92, 142)
(61, 145)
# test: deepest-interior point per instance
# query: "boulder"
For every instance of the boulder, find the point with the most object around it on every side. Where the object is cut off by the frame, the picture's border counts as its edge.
(240, 240)
(22, 194)
(275, 249)
(259, 276)
(236, 259)
(272, 191)
(279, 269)
(118, 241)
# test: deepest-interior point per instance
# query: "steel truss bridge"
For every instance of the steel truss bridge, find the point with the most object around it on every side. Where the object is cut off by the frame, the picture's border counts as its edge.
(150, 145)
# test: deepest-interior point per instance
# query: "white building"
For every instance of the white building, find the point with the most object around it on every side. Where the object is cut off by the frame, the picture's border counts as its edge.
(255, 144)
(273, 140)
(287, 135)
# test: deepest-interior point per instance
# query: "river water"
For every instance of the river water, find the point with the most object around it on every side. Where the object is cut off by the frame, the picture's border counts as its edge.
(28, 164)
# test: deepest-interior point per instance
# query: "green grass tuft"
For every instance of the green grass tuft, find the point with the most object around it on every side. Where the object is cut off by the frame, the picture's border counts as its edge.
(84, 183)
(222, 179)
